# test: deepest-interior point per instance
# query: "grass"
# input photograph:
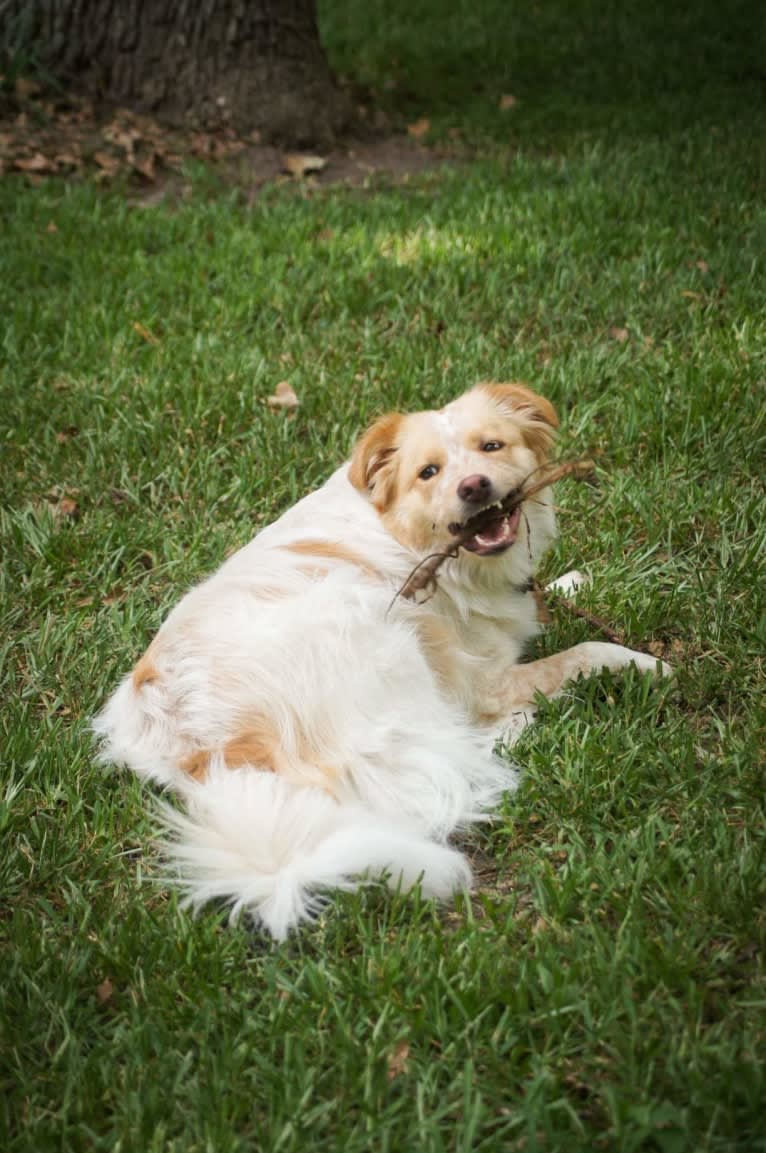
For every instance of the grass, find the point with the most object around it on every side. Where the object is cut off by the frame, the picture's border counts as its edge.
(605, 990)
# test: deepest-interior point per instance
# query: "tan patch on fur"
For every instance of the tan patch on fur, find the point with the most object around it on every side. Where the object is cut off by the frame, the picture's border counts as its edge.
(196, 764)
(145, 672)
(439, 647)
(331, 550)
(253, 747)
(373, 468)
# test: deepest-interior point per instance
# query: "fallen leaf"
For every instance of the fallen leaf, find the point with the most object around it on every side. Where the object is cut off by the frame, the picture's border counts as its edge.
(619, 334)
(24, 88)
(68, 508)
(108, 163)
(145, 333)
(702, 265)
(144, 166)
(507, 101)
(397, 1060)
(284, 397)
(692, 295)
(104, 990)
(66, 434)
(300, 164)
(35, 163)
(419, 128)
(51, 227)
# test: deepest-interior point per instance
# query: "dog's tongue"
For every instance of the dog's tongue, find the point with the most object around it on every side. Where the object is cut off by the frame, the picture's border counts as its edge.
(496, 536)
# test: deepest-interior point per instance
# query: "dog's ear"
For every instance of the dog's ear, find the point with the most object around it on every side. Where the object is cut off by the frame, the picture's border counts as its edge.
(373, 461)
(537, 415)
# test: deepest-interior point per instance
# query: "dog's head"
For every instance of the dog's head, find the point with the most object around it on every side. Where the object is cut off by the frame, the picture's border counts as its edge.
(427, 473)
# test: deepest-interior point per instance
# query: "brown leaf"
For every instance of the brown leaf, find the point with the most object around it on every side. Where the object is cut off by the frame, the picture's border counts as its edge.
(24, 88)
(104, 990)
(619, 334)
(65, 434)
(300, 164)
(284, 397)
(51, 227)
(419, 128)
(144, 166)
(35, 163)
(145, 333)
(67, 507)
(108, 163)
(702, 265)
(507, 101)
(397, 1060)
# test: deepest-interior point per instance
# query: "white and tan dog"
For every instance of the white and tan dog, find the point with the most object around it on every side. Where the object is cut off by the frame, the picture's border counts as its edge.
(322, 731)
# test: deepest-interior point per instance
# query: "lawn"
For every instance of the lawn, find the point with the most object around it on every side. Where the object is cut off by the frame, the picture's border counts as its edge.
(603, 239)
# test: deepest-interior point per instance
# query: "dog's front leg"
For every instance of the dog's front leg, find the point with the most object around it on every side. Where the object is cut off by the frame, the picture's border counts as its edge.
(549, 674)
(513, 702)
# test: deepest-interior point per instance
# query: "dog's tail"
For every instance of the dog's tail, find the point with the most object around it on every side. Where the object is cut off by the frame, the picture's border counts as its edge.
(269, 847)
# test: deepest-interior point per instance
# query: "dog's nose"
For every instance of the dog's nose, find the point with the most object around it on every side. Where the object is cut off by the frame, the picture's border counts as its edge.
(475, 489)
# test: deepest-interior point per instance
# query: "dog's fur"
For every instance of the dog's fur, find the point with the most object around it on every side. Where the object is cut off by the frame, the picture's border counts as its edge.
(319, 729)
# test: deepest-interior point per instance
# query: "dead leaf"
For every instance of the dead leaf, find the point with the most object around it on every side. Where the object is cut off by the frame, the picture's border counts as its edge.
(145, 333)
(104, 990)
(619, 334)
(65, 434)
(284, 397)
(692, 295)
(507, 101)
(35, 163)
(51, 227)
(144, 166)
(702, 265)
(397, 1060)
(108, 163)
(419, 128)
(300, 164)
(67, 507)
(24, 88)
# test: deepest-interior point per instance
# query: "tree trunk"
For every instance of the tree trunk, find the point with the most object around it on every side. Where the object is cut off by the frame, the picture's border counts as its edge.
(250, 64)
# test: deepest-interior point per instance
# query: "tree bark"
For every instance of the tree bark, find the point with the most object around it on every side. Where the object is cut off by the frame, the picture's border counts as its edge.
(249, 64)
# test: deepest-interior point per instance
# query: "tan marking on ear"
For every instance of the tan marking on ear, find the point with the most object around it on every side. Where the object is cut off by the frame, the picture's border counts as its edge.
(145, 672)
(331, 550)
(373, 461)
(520, 397)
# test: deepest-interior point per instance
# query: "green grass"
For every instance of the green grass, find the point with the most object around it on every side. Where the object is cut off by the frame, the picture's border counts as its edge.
(606, 989)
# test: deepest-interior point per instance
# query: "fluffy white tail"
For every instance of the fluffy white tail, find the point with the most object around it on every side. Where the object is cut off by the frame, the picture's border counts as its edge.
(267, 846)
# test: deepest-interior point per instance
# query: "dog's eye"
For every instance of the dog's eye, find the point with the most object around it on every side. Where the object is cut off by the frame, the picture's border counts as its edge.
(492, 446)
(429, 471)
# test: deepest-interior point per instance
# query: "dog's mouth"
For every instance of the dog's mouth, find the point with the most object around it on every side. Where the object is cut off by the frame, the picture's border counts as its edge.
(495, 534)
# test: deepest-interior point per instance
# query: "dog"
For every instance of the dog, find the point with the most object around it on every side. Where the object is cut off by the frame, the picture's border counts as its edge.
(322, 731)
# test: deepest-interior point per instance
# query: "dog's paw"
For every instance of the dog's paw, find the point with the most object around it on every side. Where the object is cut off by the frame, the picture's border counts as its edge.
(570, 583)
(649, 664)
